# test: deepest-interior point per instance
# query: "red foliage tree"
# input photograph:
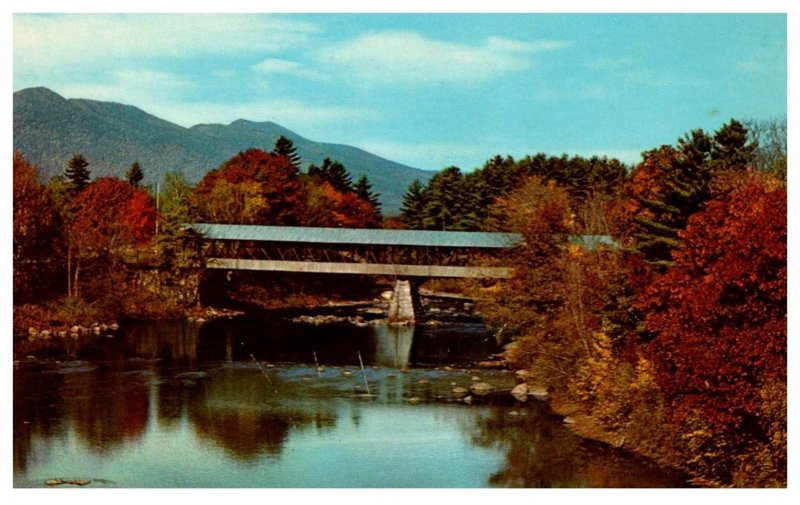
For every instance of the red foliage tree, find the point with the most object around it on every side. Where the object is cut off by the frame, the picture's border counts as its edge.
(253, 187)
(108, 216)
(35, 229)
(139, 217)
(719, 314)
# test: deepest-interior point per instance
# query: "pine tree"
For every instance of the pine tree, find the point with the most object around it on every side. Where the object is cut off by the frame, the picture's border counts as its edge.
(334, 173)
(412, 212)
(285, 147)
(443, 200)
(77, 173)
(731, 148)
(363, 190)
(682, 189)
(134, 175)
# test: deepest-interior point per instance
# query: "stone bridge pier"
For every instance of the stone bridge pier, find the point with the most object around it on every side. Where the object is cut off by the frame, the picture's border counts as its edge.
(405, 305)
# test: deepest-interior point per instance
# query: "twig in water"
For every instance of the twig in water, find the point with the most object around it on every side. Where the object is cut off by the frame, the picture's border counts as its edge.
(263, 372)
(363, 372)
(316, 363)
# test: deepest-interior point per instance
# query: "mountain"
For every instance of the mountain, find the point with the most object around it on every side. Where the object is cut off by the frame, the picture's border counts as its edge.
(49, 129)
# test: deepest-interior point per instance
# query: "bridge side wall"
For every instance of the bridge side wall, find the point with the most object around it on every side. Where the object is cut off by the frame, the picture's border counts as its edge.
(359, 268)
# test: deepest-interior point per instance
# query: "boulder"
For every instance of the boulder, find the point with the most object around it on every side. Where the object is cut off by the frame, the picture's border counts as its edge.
(538, 392)
(520, 392)
(460, 392)
(481, 388)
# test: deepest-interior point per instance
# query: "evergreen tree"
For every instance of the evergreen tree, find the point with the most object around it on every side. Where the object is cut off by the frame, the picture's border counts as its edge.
(333, 173)
(134, 175)
(285, 147)
(77, 173)
(682, 187)
(412, 213)
(499, 175)
(731, 148)
(444, 201)
(363, 190)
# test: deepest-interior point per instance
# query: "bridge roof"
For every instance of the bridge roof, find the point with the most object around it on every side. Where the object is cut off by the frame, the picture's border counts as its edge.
(301, 234)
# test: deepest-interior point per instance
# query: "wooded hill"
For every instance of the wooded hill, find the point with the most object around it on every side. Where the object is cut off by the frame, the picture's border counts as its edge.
(49, 129)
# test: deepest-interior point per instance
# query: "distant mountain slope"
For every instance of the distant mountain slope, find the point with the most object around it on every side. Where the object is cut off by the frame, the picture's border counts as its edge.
(49, 129)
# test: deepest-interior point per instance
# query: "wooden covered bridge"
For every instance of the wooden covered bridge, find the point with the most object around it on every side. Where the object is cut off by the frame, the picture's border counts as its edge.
(410, 256)
(398, 253)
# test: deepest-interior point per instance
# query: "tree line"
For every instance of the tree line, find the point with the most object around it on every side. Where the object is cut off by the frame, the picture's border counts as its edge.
(73, 235)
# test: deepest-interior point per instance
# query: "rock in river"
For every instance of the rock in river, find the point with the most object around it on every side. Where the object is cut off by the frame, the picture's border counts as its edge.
(539, 393)
(520, 392)
(481, 388)
(460, 392)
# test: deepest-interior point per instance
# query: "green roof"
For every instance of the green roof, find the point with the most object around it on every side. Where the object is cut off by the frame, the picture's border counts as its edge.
(300, 234)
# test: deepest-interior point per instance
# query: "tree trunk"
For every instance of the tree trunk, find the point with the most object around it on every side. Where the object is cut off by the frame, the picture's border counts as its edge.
(75, 281)
(69, 271)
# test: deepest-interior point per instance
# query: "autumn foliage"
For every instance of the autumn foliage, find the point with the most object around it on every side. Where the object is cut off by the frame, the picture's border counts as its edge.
(35, 229)
(719, 317)
(111, 214)
(674, 343)
(253, 187)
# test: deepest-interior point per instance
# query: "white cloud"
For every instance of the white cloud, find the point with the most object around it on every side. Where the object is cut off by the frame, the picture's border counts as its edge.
(410, 57)
(157, 93)
(287, 67)
(103, 39)
(145, 89)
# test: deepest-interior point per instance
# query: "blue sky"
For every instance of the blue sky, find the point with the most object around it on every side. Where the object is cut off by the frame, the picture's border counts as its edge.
(427, 90)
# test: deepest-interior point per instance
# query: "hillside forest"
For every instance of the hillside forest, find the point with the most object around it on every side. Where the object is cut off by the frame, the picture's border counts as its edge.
(667, 337)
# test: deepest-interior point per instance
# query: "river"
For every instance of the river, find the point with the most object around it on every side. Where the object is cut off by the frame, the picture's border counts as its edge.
(271, 401)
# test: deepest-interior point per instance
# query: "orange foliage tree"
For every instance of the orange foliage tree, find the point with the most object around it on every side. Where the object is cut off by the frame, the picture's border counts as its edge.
(330, 207)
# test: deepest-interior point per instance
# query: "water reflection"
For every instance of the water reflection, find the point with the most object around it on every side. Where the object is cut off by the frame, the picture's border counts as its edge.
(539, 452)
(392, 345)
(184, 405)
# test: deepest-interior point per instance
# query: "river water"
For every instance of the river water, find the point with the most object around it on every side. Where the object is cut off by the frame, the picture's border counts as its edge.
(274, 403)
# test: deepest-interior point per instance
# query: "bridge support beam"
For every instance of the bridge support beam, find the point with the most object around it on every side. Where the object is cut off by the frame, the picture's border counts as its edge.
(405, 304)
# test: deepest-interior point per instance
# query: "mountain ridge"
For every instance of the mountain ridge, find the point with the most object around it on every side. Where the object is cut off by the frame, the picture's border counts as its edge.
(49, 129)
